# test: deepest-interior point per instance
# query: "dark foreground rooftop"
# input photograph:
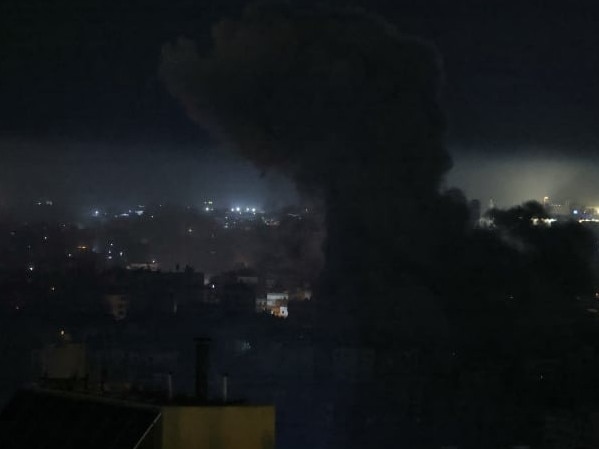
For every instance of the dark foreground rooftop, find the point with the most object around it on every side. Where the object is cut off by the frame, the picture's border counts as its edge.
(35, 419)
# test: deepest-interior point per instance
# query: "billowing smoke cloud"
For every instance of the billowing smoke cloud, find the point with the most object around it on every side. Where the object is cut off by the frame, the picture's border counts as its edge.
(344, 105)
(347, 108)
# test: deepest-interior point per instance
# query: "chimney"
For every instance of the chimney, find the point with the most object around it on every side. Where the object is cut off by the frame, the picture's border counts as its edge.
(202, 363)
(169, 386)
(225, 388)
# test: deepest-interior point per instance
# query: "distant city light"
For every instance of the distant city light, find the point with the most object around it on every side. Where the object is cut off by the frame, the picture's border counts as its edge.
(30, 267)
(546, 221)
(237, 209)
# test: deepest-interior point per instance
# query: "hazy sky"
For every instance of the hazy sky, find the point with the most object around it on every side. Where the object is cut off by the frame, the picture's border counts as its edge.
(517, 176)
(85, 115)
(95, 174)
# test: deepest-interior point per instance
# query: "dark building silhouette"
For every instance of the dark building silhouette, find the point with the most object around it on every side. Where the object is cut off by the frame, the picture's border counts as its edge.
(55, 419)
(474, 212)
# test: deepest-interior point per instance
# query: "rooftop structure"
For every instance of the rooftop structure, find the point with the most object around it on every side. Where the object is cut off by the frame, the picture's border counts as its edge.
(57, 419)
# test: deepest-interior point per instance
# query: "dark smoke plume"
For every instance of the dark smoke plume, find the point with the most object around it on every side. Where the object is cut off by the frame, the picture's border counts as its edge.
(344, 105)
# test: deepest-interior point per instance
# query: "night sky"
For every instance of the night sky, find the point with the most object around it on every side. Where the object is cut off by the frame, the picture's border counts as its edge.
(84, 116)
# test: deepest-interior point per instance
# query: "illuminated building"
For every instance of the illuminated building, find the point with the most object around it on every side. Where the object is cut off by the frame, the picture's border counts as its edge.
(148, 266)
(275, 303)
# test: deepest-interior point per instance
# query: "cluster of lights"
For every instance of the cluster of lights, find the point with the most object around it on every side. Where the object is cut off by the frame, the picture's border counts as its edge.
(110, 248)
(240, 210)
(139, 211)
